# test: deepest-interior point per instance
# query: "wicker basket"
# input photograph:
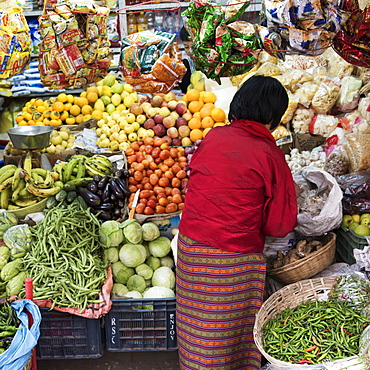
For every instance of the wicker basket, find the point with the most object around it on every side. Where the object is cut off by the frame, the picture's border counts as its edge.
(309, 266)
(23, 212)
(290, 296)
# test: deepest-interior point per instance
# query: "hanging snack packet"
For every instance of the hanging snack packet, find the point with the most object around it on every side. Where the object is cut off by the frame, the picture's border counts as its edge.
(234, 9)
(148, 57)
(69, 59)
(316, 40)
(223, 42)
(82, 6)
(67, 32)
(211, 19)
(280, 13)
(130, 61)
(141, 39)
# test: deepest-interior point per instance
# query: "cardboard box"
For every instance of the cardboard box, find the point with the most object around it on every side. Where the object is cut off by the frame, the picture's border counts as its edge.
(307, 141)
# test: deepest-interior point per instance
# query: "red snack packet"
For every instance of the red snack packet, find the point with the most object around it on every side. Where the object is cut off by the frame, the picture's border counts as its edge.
(70, 59)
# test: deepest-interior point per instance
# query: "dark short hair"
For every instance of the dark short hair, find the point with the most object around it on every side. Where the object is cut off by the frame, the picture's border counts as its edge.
(262, 99)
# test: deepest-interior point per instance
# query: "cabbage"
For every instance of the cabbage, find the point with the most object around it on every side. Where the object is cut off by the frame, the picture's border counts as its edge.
(111, 255)
(164, 276)
(144, 270)
(4, 256)
(119, 290)
(132, 255)
(146, 246)
(159, 292)
(153, 262)
(150, 231)
(148, 283)
(133, 294)
(121, 273)
(167, 261)
(132, 231)
(136, 282)
(160, 247)
(111, 234)
(18, 239)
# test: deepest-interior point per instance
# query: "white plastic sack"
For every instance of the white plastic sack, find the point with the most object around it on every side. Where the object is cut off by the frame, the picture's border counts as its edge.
(272, 245)
(330, 216)
(20, 350)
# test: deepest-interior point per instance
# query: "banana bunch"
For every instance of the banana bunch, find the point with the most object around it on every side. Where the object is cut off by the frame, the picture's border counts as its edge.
(197, 81)
(23, 187)
(80, 169)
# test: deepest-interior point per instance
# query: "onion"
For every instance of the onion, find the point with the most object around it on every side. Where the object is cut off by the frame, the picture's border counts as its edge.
(186, 168)
(189, 150)
(189, 157)
(198, 142)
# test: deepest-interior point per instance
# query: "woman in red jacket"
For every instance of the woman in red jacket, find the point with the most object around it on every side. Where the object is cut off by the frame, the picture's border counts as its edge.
(240, 190)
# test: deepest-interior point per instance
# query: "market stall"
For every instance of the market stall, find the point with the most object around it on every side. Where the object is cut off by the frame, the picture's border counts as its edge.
(97, 165)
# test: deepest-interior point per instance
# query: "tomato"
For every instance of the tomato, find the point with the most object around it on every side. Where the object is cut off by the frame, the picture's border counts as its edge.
(148, 186)
(158, 141)
(131, 159)
(143, 201)
(131, 197)
(149, 158)
(175, 169)
(145, 180)
(132, 181)
(183, 164)
(183, 159)
(131, 171)
(151, 203)
(153, 197)
(153, 166)
(145, 163)
(169, 162)
(169, 175)
(181, 174)
(168, 190)
(160, 209)
(164, 146)
(140, 186)
(129, 152)
(148, 141)
(164, 154)
(163, 167)
(153, 179)
(173, 152)
(138, 167)
(163, 202)
(140, 208)
(158, 190)
(149, 211)
(180, 206)
(164, 181)
(184, 183)
(149, 172)
(140, 142)
(158, 172)
(172, 207)
(155, 152)
(175, 191)
(161, 195)
(148, 149)
(142, 148)
(158, 160)
(176, 182)
(140, 157)
(138, 176)
(132, 188)
(146, 194)
(177, 199)
(135, 146)
(169, 198)
(144, 173)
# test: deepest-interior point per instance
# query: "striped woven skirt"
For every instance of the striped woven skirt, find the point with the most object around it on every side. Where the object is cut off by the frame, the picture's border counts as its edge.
(218, 294)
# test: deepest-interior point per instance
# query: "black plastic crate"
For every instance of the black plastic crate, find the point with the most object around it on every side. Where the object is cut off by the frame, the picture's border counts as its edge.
(66, 336)
(347, 241)
(141, 325)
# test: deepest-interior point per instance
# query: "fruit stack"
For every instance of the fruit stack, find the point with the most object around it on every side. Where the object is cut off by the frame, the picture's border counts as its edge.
(359, 224)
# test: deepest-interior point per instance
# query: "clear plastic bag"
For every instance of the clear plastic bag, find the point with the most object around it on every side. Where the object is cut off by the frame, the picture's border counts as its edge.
(292, 106)
(18, 239)
(337, 162)
(295, 76)
(301, 120)
(306, 92)
(326, 96)
(323, 124)
(349, 94)
(358, 150)
(364, 108)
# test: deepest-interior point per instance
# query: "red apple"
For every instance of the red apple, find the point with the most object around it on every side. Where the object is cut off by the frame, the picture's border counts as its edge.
(158, 118)
(144, 99)
(184, 131)
(187, 115)
(170, 96)
(181, 108)
(176, 142)
(136, 109)
(159, 130)
(164, 104)
(149, 123)
(169, 121)
(172, 104)
(157, 101)
(181, 122)
(167, 139)
(172, 132)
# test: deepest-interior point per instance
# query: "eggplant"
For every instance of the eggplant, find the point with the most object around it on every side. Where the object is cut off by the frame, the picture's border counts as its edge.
(103, 182)
(116, 190)
(105, 216)
(118, 173)
(122, 186)
(99, 193)
(121, 203)
(105, 207)
(92, 186)
(106, 194)
(116, 212)
(113, 197)
(97, 178)
(90, 198)
(125, 174)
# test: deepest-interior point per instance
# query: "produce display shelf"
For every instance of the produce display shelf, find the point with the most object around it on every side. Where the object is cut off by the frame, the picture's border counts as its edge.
(37, 12)
(347, 241)
(66, 336)
(131, 327)
(52, 93)
(167, 5)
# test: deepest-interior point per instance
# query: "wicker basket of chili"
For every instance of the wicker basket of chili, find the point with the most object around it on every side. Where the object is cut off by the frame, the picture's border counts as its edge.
(308, 266)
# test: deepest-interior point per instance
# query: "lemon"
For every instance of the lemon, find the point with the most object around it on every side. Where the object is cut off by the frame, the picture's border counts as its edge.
(101, 122)
(128, 101)
(129, 129)
(56, 140)
(122, 138)
(64, 135)
(130, 118)
(114, 136)
(64, 143)
(98, 131)
(122, 123)
(111, 123)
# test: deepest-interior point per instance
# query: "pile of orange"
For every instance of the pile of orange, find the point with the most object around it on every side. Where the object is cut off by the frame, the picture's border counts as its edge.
(205, 115)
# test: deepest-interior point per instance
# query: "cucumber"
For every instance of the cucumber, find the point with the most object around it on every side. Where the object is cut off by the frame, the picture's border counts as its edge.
(61, 196)
(69, 187)
(51, 202)
(82, 203)
(71, 196)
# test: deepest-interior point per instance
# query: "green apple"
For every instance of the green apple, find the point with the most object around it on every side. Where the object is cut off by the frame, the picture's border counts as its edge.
(362, 230)
(356, 218)
(365, 215)
(347, 220)
(365, 221)
(353, 225)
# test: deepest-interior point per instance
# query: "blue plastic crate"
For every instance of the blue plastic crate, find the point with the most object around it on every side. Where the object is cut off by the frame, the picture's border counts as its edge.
(66, 336)
(129, 327)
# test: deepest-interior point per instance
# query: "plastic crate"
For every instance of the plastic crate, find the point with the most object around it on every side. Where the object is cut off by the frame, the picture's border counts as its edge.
(67, 336)
(128, 327)
(347, 241)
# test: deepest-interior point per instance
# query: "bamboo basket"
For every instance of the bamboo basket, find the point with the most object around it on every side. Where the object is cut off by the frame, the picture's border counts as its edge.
(23, 212)
(309, 266)
(291, 296)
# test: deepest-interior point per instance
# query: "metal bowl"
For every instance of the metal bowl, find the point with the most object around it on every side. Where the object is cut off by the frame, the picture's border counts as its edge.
(30, 137)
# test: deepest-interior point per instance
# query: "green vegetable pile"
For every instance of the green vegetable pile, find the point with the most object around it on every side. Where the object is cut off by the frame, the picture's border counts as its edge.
(66, 257)
(315, 331)
(8, 325)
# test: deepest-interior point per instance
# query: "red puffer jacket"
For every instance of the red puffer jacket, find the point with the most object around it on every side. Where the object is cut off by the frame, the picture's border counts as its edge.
(240, 190)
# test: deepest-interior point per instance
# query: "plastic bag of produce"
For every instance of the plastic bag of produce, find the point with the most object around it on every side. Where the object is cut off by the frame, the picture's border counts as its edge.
(20, 350)
(18, 240)
(358, 150)
(322, 211)
(7, 220)
(349, 94)
(326, 95)
(272, 245)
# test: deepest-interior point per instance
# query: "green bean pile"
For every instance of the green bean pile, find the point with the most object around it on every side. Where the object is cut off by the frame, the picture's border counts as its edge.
(66, 258)
(313, 332)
